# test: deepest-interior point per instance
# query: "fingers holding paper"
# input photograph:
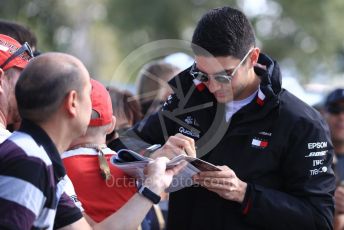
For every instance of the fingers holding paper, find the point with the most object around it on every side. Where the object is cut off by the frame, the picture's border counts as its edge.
(225, 183)
(176, 145)
(157, 177)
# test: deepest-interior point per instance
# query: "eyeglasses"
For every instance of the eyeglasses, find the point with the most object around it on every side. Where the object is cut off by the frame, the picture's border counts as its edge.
(335, 109)
(222, 77)
(24, 49)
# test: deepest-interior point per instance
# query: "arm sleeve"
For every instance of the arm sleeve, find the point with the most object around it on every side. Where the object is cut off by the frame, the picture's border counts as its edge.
(306, 201)
(22, 193)
(67, 213)
(70, 191)
(154, 129)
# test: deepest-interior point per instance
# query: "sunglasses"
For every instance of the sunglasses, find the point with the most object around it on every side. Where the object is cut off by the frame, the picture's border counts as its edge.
(335, 109)
(24, 49)
(223, 77)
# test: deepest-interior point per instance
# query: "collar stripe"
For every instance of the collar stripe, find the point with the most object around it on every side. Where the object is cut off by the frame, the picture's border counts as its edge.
(260, 98)
(199, 85)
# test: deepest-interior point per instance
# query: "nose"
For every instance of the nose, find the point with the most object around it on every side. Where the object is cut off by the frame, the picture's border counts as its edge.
(213, 85)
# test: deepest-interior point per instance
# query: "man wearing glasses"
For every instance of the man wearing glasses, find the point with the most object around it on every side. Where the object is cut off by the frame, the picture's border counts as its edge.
(274, 151)
(334, 114)
(13, 59)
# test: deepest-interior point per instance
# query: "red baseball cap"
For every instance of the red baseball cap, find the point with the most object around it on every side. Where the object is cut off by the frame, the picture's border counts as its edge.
(101, 103)
(9, 46)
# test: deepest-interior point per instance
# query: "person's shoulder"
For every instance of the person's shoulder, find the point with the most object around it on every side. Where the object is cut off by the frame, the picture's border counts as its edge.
(295, 110)
(295, 106)
(23, 161)
(24, 145)
(182, 81)
(22, 176)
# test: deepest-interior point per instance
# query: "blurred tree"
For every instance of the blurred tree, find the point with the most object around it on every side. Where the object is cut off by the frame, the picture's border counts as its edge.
(37, 15)
(306, 33)
(305, 36)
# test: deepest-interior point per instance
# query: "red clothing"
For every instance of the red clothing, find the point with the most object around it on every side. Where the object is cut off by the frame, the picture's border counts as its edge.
(98, 198)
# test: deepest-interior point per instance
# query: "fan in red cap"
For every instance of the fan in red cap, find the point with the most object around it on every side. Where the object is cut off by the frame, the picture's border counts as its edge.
(16, 56)
(12, 54)
(101, 104)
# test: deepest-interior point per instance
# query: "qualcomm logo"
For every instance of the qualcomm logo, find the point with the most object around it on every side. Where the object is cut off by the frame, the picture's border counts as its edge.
(188, 132)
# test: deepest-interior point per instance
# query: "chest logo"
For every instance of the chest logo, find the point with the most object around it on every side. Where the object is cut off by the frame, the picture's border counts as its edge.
(191, 121)
(192, 133)
(257, 143)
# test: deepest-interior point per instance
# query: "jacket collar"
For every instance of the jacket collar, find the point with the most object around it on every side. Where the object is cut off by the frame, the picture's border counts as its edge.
(270, 75)
(270, 87)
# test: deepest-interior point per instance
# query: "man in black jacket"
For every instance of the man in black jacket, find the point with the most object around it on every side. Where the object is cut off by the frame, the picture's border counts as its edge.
(274, 151)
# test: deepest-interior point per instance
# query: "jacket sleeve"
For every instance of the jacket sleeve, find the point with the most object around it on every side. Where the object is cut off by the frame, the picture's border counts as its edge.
(159, 126)
(154, 129)
(306, 199)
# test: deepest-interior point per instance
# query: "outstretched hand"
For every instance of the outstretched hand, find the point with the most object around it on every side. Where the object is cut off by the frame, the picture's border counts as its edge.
(158, 178)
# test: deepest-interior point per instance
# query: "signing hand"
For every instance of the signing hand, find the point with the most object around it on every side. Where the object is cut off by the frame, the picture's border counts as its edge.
(176, 145)
(225, 183)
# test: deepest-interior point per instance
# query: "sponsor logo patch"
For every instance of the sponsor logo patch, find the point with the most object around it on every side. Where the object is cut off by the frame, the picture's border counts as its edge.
(314, 172)
(257, 143)
(188, 132)
(318, 162)
(265, 133)
(191, 121)
(317, 145)
(317, 154)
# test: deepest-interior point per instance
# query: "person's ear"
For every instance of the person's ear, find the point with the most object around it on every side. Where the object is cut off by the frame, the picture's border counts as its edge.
(112, 126)
(70, 103)
(254, 56)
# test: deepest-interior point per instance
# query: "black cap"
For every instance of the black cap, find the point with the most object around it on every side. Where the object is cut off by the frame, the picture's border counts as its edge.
(334, 96)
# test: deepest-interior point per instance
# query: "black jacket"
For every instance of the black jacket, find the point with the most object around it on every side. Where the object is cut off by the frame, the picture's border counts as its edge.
(277, 144)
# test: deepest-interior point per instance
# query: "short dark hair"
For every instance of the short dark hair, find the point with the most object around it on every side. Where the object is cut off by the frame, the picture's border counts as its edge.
(19, 32)
(223, 32)
(44, 83)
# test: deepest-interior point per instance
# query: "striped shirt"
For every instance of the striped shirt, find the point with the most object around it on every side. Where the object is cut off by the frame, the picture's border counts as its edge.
(4, 133)
(32, 180)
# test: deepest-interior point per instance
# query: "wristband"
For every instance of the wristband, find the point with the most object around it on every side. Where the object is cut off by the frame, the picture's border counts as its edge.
(149, 194)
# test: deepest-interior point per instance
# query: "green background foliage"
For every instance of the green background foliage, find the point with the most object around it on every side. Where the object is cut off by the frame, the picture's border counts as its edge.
(305, 36)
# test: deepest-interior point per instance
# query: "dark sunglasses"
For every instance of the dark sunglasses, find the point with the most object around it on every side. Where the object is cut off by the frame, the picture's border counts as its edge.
(20, 52)
(223, 77)
(335, 109)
